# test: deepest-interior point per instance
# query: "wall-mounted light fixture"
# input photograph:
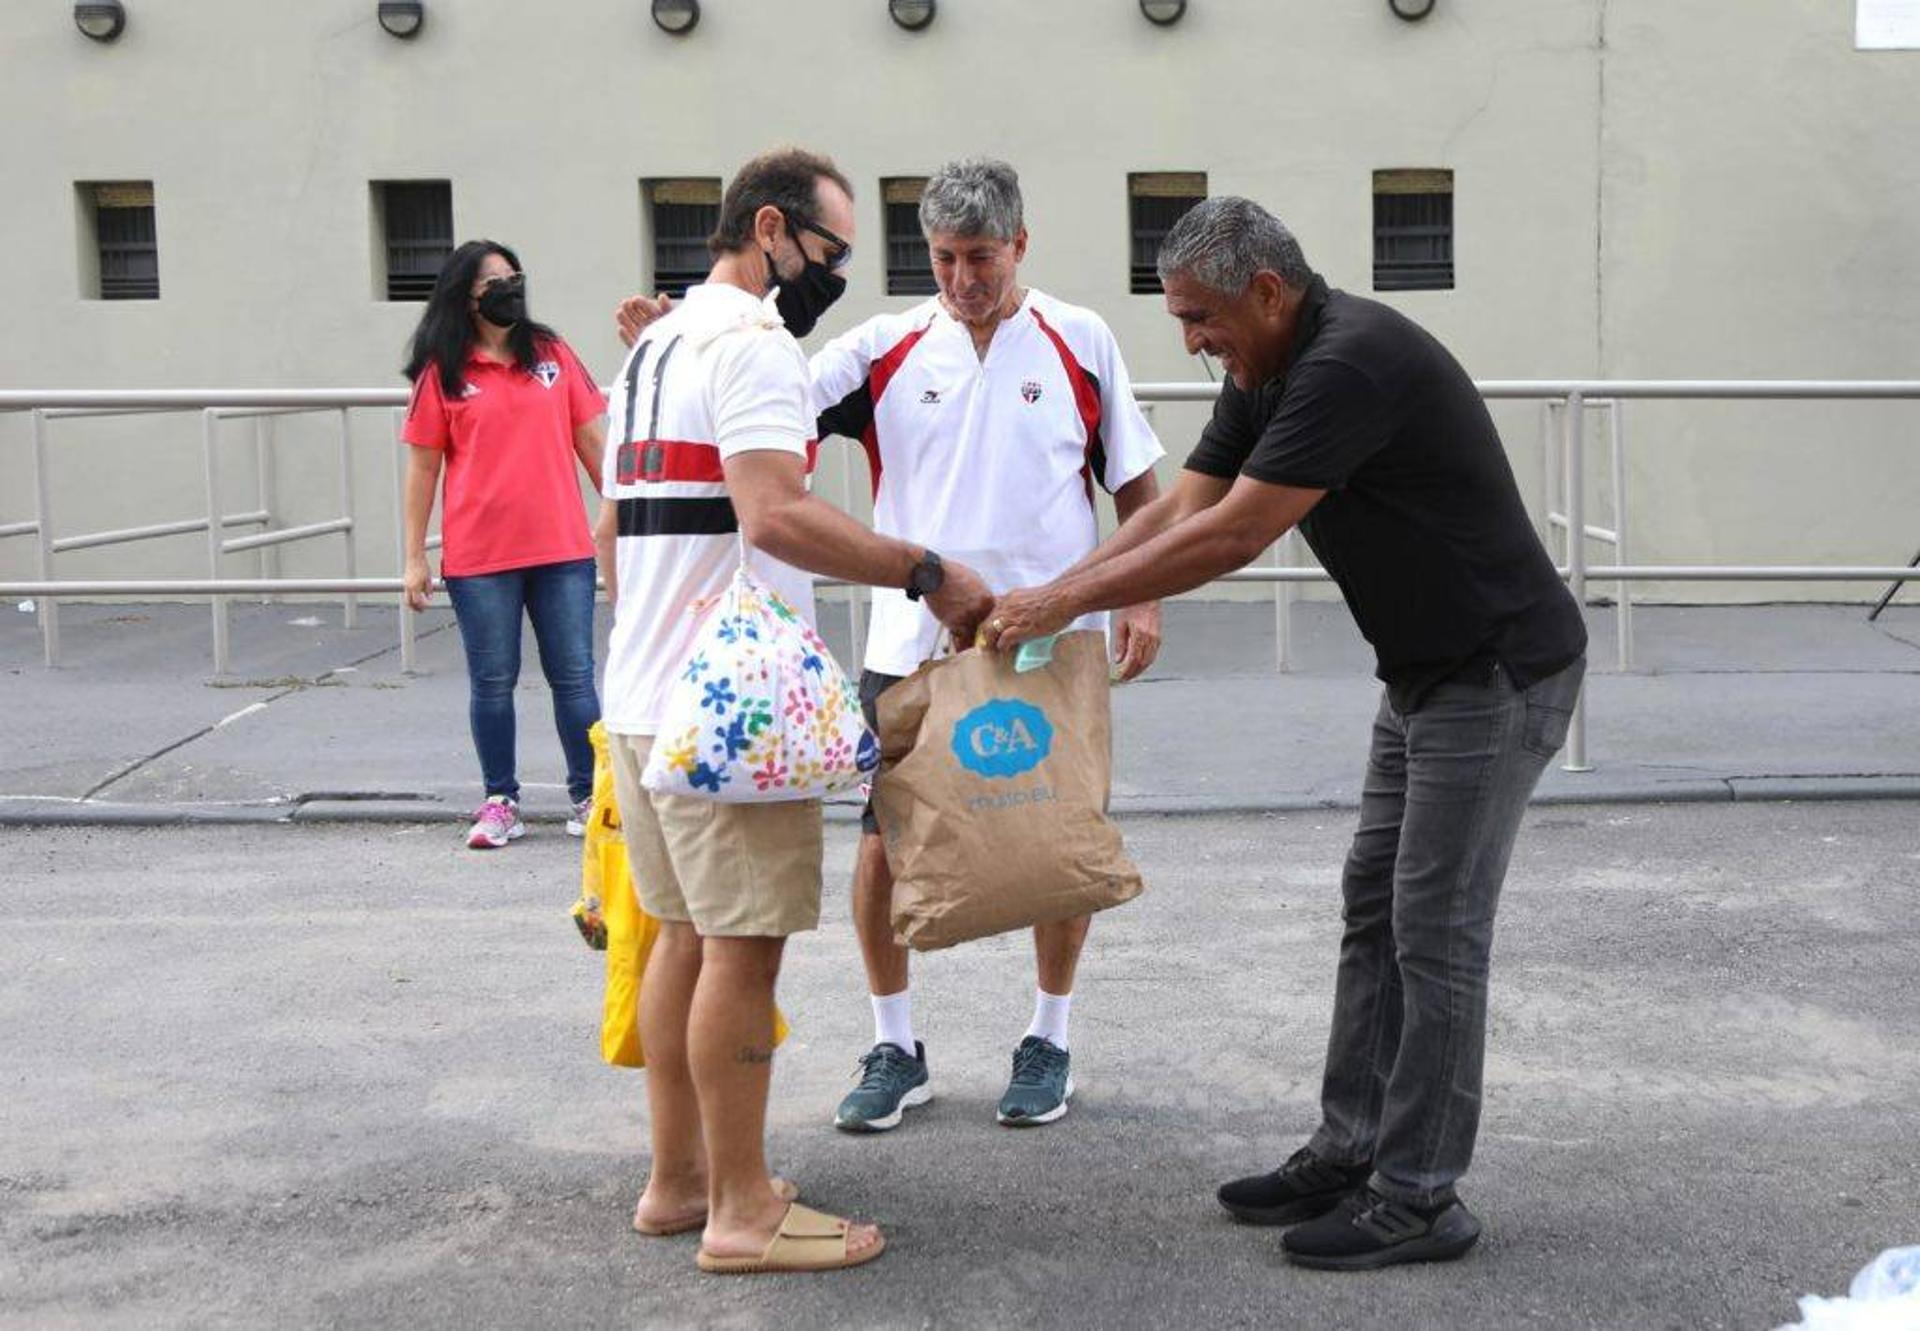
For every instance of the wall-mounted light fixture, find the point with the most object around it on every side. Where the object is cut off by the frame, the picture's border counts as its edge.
(1163, 12)
(1410, 10)
(912, 15)
(676, 16)
(101, 20)
(402, 18)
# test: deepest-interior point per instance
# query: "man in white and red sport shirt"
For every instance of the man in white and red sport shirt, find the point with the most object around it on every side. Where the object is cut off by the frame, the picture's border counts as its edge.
(989, 414)
(711, 442)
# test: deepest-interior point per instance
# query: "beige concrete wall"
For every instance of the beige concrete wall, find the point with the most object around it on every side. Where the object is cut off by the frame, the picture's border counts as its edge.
(1759, 191)
(1639, 191)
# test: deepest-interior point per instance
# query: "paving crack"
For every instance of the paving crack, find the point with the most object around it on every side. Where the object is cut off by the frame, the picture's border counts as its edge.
(1900, 638)
(128, 769)
(293, 684)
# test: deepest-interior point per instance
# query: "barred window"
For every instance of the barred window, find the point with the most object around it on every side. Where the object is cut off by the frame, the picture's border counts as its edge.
(681, 214)
(1155, 201)
(125, 241)
(1413, 230)
(909, 272)
(416, 224)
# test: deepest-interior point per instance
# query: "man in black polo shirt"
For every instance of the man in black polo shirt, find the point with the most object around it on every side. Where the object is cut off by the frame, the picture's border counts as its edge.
(1346, 419)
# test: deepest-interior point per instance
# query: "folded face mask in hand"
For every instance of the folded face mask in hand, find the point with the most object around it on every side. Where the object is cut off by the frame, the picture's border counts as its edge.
(1034, 655)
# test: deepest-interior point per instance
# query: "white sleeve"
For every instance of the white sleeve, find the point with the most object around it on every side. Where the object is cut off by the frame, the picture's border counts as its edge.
(840, 368)
(760, 395)
(1131, 446)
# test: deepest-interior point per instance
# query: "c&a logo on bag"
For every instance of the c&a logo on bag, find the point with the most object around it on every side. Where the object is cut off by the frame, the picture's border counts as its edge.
(1002, 738)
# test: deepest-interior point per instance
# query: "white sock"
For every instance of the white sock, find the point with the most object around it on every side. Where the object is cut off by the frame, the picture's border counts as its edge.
(893, 1019)
(1050, 1017)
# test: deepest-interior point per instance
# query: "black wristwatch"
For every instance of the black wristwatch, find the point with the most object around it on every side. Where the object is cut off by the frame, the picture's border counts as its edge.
(926, 577)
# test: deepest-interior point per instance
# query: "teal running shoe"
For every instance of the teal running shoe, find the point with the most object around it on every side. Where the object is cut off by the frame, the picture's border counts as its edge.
(1041, 1086)
(891, 1081)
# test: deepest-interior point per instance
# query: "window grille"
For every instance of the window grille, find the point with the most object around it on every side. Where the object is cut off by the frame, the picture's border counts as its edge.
(1155, 201)
(909, 273)
(681, 215)
(1413, 230)
(126, 240)
(417, 221)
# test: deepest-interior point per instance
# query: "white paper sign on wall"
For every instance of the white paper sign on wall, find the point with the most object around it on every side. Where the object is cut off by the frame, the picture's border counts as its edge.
(1886, 25)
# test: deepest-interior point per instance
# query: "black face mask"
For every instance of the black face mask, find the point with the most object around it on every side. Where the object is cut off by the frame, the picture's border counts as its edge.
(802, 300)
(504, 304)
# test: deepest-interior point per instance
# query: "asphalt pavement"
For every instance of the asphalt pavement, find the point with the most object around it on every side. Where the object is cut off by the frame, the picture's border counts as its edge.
(347, 1075)
(279, 1051)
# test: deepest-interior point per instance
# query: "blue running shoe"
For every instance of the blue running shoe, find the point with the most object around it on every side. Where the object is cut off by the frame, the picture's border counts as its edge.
(891, 1081)
(1041, 1086)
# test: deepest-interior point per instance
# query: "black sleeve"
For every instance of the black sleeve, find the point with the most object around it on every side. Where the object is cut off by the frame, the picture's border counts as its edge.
(849, 417)
(1331, 419)
(1229, 436)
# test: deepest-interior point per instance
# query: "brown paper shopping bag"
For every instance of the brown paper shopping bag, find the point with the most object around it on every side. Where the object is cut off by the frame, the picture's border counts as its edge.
(992, 795)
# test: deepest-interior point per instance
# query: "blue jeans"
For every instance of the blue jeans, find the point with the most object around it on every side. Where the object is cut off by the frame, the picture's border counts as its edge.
(1445, 790)
(558, 598)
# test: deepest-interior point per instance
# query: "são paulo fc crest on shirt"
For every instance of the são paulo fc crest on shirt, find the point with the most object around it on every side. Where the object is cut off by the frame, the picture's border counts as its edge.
(547, 372)
(1030, 390)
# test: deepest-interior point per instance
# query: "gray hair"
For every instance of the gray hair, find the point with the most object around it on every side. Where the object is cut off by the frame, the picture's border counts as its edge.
(1221, 243)
(975, 196)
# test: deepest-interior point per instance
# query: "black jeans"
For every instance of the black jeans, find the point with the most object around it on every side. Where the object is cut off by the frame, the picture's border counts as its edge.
(1446, 787)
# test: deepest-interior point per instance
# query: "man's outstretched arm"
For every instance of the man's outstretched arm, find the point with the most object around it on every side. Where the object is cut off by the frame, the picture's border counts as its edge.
(1187, 554)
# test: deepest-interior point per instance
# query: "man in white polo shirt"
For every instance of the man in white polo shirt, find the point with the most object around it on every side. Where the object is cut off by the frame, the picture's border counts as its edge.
(989, 414)
(713, 441)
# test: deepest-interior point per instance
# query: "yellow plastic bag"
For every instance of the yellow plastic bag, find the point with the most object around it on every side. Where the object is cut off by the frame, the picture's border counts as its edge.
(608, 908)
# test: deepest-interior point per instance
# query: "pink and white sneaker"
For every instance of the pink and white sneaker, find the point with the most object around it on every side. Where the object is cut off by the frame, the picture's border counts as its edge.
(578, 818)
(495, 823)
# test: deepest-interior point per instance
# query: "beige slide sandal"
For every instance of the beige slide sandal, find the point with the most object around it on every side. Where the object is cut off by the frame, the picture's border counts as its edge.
(784, 1189)
(808, 1240)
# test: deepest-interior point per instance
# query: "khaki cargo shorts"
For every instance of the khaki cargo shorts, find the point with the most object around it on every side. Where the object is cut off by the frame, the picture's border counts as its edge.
(730, 870)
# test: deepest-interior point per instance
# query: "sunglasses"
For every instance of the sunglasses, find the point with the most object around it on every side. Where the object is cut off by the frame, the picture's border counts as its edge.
(839, 255)
(512, 283)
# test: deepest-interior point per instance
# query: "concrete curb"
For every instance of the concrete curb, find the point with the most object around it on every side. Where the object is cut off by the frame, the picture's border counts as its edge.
(16, 811)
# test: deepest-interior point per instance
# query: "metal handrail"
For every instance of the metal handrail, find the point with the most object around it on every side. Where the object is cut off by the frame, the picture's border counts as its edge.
(1766, 390)
(1772, 390)
(372, 586)
(85, 404)
(1574, 395)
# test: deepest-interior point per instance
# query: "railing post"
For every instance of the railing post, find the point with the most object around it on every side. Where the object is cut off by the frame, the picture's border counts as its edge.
(1623, 603)
(402, 613)
(216, 532)
(1283, 557)
(43, 501)
(1577, 562)
(350, 603)
(1552, 442)
(263, 495)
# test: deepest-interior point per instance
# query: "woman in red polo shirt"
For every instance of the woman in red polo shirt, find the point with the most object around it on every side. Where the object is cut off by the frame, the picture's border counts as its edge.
(507, 409)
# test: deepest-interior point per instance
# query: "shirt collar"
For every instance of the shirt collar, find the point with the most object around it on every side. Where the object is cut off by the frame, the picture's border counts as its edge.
(728, 298)
(477, 357)
(1025, 305)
